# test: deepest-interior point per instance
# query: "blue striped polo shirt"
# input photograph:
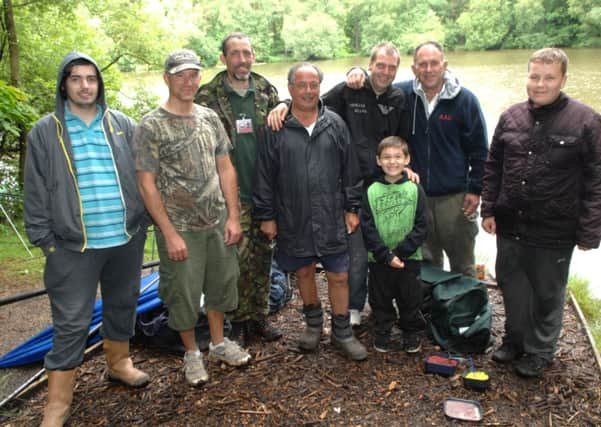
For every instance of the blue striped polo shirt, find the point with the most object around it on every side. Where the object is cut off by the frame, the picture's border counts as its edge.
(98, 183)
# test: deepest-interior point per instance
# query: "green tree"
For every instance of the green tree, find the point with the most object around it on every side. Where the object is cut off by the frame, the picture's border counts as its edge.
(486, 24)
(315, 37)
(529, 25)
(588, 12)
(406, 23)
(16, 114)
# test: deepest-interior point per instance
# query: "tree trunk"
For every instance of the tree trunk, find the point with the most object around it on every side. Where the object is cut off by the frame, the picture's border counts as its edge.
(13, 44)
(15, 74)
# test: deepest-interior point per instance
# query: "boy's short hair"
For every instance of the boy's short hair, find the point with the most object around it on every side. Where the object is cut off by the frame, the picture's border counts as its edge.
(393, 142)
(550, 55)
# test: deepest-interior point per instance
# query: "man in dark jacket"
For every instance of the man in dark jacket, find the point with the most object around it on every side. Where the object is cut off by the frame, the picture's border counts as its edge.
(83, 209)
(242, 100)
(372, 112)
(307, 195)
(542, 196)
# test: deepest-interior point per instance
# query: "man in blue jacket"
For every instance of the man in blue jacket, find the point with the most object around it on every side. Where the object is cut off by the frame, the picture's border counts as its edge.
(83, 209)
(448, 150)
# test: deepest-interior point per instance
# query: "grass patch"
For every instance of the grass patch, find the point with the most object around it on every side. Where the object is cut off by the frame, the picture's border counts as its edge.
(590, 306)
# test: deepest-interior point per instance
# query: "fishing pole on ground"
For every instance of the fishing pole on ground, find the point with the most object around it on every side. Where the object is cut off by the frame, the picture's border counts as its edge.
(40, 377)
(37, 292)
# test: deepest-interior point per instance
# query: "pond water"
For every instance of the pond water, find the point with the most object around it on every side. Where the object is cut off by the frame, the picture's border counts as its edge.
(497, 78)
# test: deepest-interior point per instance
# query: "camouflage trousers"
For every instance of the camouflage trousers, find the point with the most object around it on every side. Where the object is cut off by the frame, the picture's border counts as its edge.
(254, 257)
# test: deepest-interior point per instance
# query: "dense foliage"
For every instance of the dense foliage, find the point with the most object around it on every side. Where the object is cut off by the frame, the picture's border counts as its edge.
(128, 35)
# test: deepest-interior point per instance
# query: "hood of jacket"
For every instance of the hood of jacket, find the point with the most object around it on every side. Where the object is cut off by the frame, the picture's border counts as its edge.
(61, 94)
(450, 87)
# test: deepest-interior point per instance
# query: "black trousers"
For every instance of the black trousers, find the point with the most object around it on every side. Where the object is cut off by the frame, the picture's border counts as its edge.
(403, 285)
(533, 281)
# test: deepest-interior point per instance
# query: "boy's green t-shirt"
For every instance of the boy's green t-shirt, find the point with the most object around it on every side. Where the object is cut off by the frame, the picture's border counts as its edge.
(393, 207)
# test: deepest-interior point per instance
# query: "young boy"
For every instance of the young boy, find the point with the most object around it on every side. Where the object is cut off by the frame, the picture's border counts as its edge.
(394, 223)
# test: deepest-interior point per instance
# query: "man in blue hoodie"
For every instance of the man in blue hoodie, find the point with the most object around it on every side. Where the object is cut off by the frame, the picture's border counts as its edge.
(448, 150)
(83, 209)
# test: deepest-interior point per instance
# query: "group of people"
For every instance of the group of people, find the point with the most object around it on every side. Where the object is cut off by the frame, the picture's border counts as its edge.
(366, 180)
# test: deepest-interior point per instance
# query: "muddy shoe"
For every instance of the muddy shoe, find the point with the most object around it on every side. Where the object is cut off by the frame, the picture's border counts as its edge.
(194, 368)
(505, 354)
(265, 330)
(309, 339)
(531, 366)
(351, 347)
(228, 352)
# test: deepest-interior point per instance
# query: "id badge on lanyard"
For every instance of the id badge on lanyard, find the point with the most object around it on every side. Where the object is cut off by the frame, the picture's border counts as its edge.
(244, 125)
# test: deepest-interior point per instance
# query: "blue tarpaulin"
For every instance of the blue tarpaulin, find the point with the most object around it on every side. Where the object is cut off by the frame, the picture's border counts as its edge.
(34, 349)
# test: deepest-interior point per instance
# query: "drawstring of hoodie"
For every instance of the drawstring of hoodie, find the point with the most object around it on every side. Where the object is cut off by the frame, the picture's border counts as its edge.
(414, 115)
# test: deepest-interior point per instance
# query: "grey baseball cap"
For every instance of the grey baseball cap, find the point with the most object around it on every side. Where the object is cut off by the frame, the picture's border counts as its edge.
(183, 59)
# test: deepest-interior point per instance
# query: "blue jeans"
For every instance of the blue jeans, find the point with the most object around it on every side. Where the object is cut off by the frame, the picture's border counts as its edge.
(357, 272)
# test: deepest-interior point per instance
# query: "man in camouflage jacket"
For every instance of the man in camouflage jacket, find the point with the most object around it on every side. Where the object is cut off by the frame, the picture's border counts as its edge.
(242, 100)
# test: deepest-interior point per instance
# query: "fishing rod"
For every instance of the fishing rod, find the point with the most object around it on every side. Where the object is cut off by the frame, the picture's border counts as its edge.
(37, 292)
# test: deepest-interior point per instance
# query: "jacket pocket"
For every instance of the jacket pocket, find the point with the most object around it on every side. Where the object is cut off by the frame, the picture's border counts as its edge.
(564, 151)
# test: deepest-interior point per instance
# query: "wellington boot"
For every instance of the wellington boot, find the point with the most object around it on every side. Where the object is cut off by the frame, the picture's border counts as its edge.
(60, 395)
(120, 366)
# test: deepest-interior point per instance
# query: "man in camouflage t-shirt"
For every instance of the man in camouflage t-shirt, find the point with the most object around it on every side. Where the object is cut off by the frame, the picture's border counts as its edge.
(189, 186)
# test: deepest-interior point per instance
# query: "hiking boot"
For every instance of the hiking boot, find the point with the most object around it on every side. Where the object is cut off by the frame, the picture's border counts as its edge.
(309, 339)
(239, 333)
(351, 347)
(355, 317)
(531, 365)
(265, 330)
(228, 352)
(505, 354)
(412, 342)
(194, 368)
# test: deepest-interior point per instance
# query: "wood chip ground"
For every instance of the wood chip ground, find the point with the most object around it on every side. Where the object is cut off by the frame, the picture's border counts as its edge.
(284, 387)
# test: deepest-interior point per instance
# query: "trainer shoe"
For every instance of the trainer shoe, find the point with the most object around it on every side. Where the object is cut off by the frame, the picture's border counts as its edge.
(194, 368)
(412, 343)
(228, 352)
(384, 344)
(351, 347)
(355, 317)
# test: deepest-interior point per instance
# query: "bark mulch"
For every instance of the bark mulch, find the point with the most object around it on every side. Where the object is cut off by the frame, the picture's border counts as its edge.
(282, 386)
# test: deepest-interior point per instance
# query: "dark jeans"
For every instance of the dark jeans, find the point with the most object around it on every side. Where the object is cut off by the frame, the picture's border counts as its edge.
(533, 281)
(72, 278)
(387, 283)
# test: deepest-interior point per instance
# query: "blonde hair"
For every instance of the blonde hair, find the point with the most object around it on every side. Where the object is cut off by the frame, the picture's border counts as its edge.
(550, 55)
